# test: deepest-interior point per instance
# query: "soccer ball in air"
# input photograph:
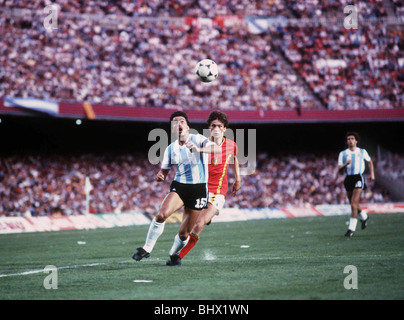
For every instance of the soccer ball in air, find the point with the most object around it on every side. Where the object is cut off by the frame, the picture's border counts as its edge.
(206, 70)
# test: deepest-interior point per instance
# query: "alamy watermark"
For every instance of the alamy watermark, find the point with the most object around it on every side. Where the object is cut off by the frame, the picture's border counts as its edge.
(351, 280)
(50, 281)
(245, 140)
(50, 22)
(351, 20)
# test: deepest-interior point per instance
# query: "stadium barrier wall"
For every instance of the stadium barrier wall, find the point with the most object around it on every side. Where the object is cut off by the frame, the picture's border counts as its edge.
(110, 220)
(144, 114)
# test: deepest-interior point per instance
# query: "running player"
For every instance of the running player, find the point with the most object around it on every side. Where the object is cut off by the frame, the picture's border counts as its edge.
(352, 160)
(189, 153)
(217, 183)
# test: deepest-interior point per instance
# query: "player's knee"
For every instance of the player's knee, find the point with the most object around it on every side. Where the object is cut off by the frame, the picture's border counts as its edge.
(162, 216)
(201, 223)
(183, 234)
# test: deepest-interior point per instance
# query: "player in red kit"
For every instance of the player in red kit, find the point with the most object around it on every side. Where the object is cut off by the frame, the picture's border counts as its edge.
(217, 182)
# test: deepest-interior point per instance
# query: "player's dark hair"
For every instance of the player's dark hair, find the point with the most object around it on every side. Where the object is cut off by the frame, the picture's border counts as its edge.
(218, 115)
(352, 133)
(180, 114)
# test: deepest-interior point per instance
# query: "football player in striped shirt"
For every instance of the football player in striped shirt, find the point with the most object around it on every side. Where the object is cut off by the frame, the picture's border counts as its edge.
(352, 162)
(189, 153)
(217, 183)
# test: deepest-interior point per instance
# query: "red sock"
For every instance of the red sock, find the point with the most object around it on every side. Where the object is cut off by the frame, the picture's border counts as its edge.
(193, 239)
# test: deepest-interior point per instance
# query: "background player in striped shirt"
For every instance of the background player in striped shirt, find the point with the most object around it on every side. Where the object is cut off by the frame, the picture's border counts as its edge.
(189, 187)
(352, 162)
(217, 183)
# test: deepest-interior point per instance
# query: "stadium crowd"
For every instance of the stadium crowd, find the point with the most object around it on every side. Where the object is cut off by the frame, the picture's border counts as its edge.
(150, 62)
(298, 180)
(210, 8)
(159, 8)
(332, 8)
(348, 70)
(392, 166)
(146, 64)
(38, 185)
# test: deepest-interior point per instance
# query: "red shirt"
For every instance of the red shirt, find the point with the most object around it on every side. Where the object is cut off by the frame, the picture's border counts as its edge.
(218, 165)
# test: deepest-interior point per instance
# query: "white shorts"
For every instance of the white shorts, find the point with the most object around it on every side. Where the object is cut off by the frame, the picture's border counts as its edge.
(217, 200)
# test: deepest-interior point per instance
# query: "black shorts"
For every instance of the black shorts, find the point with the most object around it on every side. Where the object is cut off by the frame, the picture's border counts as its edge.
(194, 196)
(354, 181)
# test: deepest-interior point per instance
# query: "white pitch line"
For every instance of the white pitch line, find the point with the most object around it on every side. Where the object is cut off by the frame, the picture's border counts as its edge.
(58, 268)
(217, 259)
(63, 267)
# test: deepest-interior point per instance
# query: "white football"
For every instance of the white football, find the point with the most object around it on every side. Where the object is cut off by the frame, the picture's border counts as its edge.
(206, 70)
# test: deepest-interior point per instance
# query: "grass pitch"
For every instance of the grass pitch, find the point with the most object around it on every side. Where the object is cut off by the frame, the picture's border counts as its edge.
(301, 258)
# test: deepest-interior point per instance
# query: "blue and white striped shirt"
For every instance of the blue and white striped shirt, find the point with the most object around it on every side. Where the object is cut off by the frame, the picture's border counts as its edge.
(192, 167)
(358, 157)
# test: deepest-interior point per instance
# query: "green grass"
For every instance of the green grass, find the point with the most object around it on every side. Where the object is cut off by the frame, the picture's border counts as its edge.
(287, 259)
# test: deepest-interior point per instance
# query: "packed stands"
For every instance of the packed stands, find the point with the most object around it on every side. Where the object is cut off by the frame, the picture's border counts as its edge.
(148, 61)
(143, 53)
(348, 70)
(40, 185)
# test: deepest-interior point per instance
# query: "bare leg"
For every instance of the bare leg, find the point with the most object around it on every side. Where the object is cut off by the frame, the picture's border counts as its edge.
(356, 196)
(204, 218)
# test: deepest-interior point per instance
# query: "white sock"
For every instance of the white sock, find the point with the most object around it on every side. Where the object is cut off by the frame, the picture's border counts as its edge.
(155, 231)
(363, 215)
(352, 224)
(178, 244)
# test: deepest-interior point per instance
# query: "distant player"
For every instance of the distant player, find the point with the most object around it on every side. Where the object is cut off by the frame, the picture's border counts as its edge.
(217, 183)
(352, 162)
(189, 153)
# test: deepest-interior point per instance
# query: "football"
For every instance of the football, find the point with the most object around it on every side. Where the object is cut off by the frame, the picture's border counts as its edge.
(206, 70)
